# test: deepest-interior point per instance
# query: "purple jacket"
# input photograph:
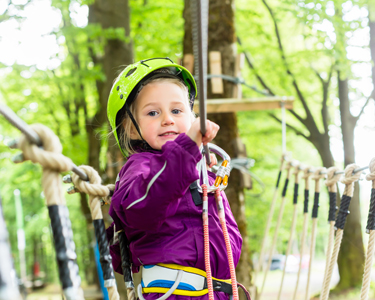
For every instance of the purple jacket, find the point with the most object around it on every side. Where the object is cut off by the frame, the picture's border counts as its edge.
(165, 226)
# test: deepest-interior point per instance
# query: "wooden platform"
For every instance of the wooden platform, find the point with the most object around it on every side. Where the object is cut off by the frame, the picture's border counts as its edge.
(234, 105)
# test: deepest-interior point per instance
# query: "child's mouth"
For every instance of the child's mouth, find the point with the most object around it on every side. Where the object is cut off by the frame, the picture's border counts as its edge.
(169, 134)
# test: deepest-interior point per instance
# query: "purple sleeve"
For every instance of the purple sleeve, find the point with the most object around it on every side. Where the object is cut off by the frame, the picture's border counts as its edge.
(233, 231)
(154, 184)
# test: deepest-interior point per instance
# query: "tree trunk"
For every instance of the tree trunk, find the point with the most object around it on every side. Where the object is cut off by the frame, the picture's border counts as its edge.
(351, 258)
(221, 37)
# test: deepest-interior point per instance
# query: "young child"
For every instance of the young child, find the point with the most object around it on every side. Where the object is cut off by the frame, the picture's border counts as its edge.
(150, 112)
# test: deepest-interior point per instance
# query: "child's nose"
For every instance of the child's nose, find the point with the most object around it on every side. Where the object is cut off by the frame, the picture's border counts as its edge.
(168, 119)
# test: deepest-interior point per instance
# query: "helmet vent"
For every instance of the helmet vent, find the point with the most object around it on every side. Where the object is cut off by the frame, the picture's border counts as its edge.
(130, 72)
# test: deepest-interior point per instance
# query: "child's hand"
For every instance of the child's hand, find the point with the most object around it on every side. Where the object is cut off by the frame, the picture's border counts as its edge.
(213, 160)
(195, 132)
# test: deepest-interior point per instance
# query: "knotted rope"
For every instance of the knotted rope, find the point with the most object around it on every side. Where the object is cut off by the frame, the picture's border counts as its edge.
(331, 184)
(348, 179)
(296, 172)
(53, 162)
(281, 211)
(96, 191)
(317, 176)
(269, 219)
(306, 177)
(370, 229)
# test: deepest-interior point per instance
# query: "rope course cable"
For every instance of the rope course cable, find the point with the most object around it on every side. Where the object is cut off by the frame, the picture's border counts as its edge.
(331, 183)
(348, 179)
(370, 228)
(296, 172)
(306, 176)
(288, 167)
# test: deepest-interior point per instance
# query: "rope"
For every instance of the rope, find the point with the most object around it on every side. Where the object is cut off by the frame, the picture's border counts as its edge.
(370, 229)
(269, 219)
(281, 211)
(317, 176)
(331, 184)
(53, 162)
(293, 227)
(207, 243)
(302, 249)
(232, 269)
(96, 191)
(348, 180)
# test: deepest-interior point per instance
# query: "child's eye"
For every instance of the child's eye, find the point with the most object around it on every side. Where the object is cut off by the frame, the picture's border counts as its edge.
(152, 113)
(176, 111)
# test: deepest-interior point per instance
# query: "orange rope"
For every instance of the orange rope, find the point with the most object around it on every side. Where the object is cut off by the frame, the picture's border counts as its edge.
(207, 243)
(232, 269)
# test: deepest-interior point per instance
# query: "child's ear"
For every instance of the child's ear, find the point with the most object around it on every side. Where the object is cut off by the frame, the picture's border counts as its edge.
(134, 133)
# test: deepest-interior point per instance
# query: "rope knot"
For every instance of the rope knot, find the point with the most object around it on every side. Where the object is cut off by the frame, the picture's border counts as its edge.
(349, 179)
(332, 178)
(50, 156)
(317, 175)
(306, 172)
(93, 187)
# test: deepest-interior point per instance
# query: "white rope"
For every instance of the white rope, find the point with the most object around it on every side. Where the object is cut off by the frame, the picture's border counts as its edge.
(371, 243)
(368, 266)
(331, 238)
(292, 229)
(303, 239)
(312, 253)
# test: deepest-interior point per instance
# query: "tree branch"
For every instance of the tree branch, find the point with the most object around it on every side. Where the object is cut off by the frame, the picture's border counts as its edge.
(289, 72)
(298, 132)
(372, 96)
(260, 79)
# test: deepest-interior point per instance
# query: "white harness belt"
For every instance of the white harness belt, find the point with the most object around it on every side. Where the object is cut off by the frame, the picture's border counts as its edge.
(160, 279)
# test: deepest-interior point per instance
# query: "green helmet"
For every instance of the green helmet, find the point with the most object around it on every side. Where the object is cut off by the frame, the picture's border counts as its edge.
(131, 80)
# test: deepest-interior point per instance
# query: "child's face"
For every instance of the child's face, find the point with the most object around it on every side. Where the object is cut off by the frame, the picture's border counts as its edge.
(162, 113)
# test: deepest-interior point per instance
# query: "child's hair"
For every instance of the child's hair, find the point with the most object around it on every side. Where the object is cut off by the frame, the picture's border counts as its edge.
(127, 124)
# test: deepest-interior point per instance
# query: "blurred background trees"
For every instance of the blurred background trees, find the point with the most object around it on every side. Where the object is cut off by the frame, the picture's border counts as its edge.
(316, 51)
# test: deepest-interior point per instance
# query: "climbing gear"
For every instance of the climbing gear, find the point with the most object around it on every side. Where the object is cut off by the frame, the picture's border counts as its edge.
(288, 167)
(370, 228)
(193, 282)
(349, 178)
(132, 79)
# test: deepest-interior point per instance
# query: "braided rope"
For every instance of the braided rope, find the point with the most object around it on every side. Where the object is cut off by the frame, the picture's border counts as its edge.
(331, 184)
(312, 253)
(302, 249)
(278, 224)
(348, 179)
(317, 176)
(268, 224)
(368, 266)
(292, 230)
(130, 292)
(371, 243)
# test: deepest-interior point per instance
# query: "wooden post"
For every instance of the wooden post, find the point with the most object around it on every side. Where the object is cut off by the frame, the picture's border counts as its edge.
(215, 69)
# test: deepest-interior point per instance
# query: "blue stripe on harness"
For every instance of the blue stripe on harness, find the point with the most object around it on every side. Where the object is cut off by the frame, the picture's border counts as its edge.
(168, 284)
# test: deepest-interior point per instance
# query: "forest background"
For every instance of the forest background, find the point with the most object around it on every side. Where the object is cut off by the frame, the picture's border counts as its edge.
(58, 60)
